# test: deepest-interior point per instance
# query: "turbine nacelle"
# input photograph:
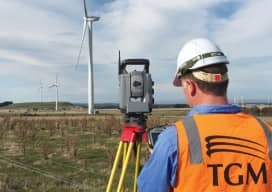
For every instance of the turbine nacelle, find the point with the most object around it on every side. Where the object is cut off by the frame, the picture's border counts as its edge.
(91, 18)
(56, 84)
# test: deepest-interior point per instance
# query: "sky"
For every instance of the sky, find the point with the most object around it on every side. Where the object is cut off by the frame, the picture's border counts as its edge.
(39, 39)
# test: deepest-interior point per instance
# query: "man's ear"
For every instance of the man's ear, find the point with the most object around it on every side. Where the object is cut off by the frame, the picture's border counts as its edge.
(191, 86)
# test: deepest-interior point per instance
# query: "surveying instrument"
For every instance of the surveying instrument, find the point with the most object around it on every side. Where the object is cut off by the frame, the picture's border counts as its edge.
(136, 99)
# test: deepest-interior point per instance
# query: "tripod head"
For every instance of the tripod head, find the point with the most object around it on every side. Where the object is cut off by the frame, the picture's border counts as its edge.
(135, 119)
(134, 124)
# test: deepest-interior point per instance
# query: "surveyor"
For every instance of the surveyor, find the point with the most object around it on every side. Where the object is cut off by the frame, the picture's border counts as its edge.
(216, 147)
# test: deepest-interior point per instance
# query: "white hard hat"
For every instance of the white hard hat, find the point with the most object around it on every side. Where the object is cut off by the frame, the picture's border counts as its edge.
(195, 54)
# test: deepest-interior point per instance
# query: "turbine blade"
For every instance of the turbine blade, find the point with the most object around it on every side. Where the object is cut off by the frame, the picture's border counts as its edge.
(82, 41)
(85, 9)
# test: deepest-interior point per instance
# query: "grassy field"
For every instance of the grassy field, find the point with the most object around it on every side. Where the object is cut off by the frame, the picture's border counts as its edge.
(65, 151)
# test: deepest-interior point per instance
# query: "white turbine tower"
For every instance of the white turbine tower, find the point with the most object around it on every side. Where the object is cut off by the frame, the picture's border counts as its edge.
(88, 23)
(56, 84)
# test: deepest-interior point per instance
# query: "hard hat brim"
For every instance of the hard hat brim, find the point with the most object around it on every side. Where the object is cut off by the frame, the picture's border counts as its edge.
(177, 82)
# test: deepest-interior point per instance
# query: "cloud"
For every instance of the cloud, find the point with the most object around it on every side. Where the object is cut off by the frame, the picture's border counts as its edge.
(40, 38)
(247, 33)
(245, 37)
(151, 29)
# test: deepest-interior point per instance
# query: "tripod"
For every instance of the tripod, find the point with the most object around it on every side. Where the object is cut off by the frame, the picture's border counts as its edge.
(133, 133)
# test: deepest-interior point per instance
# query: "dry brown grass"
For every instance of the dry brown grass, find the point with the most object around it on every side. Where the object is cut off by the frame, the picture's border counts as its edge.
(76, 150)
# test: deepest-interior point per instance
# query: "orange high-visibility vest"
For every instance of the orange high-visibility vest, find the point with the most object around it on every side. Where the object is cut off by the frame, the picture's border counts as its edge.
(224, 152)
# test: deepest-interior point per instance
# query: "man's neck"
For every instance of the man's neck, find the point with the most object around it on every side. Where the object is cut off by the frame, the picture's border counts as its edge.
(211, 100)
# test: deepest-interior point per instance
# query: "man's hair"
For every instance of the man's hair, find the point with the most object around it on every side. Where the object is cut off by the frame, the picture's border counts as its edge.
(215, 88)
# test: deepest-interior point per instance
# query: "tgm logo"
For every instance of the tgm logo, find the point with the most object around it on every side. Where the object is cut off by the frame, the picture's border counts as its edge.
(236, 173)
(221, 143)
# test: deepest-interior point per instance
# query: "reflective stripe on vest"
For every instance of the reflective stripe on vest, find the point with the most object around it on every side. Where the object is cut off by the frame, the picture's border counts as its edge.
(268, 134)
(193, 139)
(192, 132)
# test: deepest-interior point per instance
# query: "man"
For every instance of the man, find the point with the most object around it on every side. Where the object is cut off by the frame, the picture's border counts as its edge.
(216, 147)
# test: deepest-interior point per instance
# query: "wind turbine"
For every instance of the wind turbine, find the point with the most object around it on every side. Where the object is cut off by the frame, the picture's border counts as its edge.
(88, 23)
(56, 84)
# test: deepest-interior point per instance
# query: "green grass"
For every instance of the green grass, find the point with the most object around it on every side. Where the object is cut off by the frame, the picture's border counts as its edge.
(68, 152)
(73, 149)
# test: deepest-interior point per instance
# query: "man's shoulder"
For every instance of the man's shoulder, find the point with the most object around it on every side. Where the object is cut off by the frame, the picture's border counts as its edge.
(168, 137)
(169, 131)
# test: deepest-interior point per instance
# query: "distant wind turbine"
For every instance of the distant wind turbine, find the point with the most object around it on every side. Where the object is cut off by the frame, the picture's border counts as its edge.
(56, 84)
(242, 101)
(88, 23)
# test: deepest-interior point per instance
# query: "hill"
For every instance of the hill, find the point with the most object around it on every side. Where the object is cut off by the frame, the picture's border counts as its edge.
(39, 106)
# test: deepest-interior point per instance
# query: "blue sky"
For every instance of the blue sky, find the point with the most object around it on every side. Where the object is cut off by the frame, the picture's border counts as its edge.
(41, 38)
